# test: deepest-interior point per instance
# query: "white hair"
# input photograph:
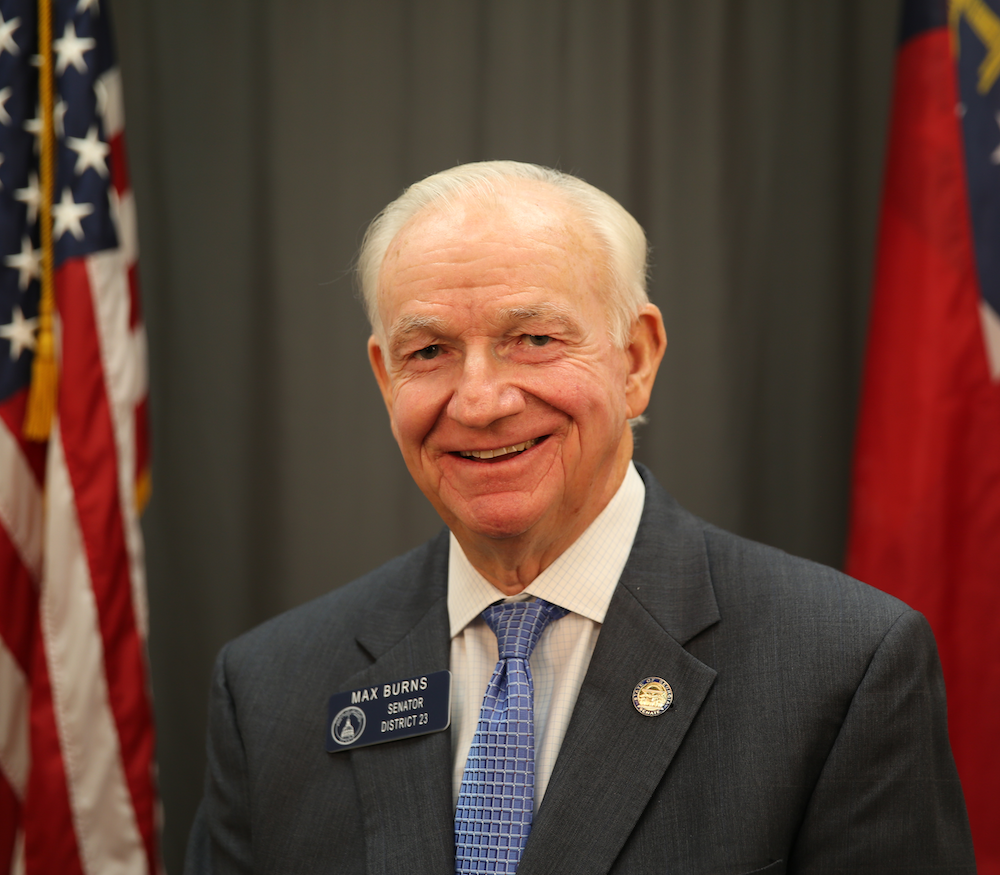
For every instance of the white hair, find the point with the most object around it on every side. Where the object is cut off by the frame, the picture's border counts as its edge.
(621, 235)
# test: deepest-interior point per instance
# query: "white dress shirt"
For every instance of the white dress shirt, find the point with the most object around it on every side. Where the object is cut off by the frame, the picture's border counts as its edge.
(582, 580)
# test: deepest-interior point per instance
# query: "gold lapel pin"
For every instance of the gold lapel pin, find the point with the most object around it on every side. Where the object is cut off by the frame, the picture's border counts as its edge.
(652, 696)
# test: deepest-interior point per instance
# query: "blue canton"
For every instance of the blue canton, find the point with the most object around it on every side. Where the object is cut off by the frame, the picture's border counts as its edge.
(82, 56)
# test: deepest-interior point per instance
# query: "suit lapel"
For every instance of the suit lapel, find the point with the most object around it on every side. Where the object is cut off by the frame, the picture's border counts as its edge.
(613, 758)
(404, 787)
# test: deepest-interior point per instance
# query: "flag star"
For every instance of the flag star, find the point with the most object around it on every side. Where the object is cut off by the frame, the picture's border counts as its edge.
(7, 29)
(28, 263)
(32, 196)
(67, 214)
(91, 152)
(58, 116)
(5, 95)
(70, 48)
(34, 125)
(20, 332)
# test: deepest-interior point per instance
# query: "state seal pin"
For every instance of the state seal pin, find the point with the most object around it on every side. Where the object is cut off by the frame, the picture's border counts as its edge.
(652, 696)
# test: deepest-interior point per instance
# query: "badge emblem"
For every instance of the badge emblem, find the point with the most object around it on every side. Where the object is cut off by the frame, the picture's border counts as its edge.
(652, 696)
(348, 725)
(388, 711)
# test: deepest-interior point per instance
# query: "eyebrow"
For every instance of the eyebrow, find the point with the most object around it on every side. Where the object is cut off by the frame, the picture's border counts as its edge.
(554, 312)
(406, 326)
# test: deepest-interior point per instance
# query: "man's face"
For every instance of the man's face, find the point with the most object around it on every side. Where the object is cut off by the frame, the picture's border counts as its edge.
(507, 396)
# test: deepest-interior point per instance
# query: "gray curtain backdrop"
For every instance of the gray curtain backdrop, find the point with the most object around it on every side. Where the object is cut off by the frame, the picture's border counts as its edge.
(747, 137)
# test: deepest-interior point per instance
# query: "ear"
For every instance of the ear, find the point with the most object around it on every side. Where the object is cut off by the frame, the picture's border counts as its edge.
(645, 352)
(376, 356)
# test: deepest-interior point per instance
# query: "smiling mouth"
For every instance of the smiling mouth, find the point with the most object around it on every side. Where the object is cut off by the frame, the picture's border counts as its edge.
(500, 452)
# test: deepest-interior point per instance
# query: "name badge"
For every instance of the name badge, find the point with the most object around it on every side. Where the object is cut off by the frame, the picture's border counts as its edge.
(390, 711)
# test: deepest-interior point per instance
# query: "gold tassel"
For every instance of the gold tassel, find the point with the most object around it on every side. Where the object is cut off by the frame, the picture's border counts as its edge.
(44, 373)
(44, 380)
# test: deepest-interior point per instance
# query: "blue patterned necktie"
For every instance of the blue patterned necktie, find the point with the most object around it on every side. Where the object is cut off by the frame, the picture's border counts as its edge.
(496, 802)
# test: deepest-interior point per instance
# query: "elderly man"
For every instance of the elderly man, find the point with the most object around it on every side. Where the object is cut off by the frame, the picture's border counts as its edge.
(630, 690)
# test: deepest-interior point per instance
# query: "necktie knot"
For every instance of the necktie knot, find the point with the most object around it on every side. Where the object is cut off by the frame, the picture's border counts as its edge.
(519, 625)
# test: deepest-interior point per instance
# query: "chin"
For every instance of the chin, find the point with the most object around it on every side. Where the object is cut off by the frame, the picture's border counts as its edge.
(501, 520)
(498, 529)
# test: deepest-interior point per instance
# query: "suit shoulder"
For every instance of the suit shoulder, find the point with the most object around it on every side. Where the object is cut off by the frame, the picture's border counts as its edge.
(745, 572)
(768, 585)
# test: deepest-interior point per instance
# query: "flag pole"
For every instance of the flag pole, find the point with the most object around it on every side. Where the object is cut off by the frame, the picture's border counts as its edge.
(44, 375)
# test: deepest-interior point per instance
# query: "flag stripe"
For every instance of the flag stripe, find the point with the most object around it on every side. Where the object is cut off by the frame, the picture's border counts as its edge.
(50, 836)
(78, 622)
(15, 756)
(114, 107)
(119, 166)
(11, 416)
(10, 817)
(142, 446)
(20, 604)
(125, 384)
(90, 444)
(20, 503)
(123, 210)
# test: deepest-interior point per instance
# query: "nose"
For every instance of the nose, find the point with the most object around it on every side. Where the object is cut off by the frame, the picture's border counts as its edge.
(485, 392)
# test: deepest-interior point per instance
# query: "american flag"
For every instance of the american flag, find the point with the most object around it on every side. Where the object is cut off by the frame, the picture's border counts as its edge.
(77, 783)
(926, 505)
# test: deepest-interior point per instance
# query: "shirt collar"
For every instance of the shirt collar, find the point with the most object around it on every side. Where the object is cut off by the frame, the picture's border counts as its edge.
(582, 579)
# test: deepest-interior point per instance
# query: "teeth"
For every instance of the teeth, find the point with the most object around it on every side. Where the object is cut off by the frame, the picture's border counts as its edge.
(503, 451)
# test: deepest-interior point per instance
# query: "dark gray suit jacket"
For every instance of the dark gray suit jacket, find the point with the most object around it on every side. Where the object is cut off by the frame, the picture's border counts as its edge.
(807, 732)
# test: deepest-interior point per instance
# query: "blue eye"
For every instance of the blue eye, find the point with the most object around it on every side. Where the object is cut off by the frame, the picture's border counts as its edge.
(538, 339)
(428, 352)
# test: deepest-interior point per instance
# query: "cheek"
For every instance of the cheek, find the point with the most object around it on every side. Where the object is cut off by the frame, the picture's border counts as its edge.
(414, 413)
(593, 394)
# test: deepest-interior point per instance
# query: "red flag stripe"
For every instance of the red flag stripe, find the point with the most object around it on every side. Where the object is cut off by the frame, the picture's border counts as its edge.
(119, 166)
(142, 447)
(125, 385)
(10, 833)
(20, 604)
(32, 452)
(15, 756)
(20, 503)
(50, 842)
(83, 699)
(87, 435)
